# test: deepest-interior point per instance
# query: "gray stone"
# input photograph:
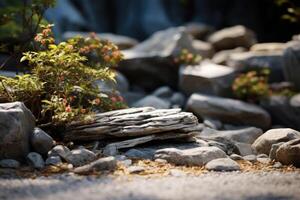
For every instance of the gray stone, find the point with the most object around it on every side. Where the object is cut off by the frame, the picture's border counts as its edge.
(222, 57)
(107, 163)
(277, 165)
(244, 149)
(246, 61)
(222, 164)
(153, 101)
(213, 124)
(9, 163)
(229, 38)
(191, 157)
(177, 99)
(53, 160)
(262, 156)
(123, 42)
(126, 162)
(41, 141)
(243, 135)
(250, 158)
(35, 160)
(163, 92)
(207, 78)
(228, 111)
(204, 49)
(139, 154)
(132, 97)
(274, 149)
(264, 143)
(291, 59)
(272, 46)
(295, 101)
(150, 64)
(135, 169)
(264, 160)
(224, 144)
(59, 150)
(236, 157)
(16, 126)
(79, 157)
(289, 153)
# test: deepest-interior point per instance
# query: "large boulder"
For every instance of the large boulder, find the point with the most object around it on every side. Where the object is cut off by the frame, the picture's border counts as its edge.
(232, 37)
(289, 153)
(228, 110)
(283, 110)
(207, 78)
(291, 60)
(191, 157)
(246, 61)
(264, 143)
(16, 126)
(150, 64)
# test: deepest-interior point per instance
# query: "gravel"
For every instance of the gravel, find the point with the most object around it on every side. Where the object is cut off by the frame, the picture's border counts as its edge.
(212, 185)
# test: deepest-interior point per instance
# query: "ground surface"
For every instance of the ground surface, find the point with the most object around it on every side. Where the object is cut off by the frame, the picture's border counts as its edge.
(231, 185)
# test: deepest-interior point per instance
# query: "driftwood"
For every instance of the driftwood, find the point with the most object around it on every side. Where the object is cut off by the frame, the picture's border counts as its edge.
(134, 122)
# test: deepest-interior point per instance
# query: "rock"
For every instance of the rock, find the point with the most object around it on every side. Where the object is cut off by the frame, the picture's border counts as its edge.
(244, 135)
(273, 46)
(160, 160)
(225, 145)
(61, 151)
(213, 124)
(41, 141)
(262, 156)
(250, 158)
(123, 42)
(283, 111)
(150, 64)
(139, 154)
(228, 111)
(79, 157)
(152, 101)
(264, 160)
(274, 149)
(204, 49)
(236, 157)
(264, 143)
(244, 149)
(177, 99)
(291, 63)
(107, 163)
(126, 162)
(207, 78)
(222, 57)
(9, 163)
(35, 160)
(120, 84)
(190, 157)
(222, 164)
(277, 165)
(132, 97)
(135, 169)
(198, 30)
(295, 101)
(53, 160)
(17, 123)
(134, 122)
(289, 153)
(247, 61)
(232, 37)
(163, 92)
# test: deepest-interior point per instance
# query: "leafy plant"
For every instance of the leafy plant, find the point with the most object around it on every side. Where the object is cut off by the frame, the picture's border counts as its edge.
(185, 57)
(252, 86)
(66, 75)
(292, 9)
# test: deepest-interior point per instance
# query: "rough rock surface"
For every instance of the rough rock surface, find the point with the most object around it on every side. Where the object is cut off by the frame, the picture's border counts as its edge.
(222, 164)
(264, 143)
(191, 157)
(207, 78)
(16, 126)
(133, 122)
(41, 141)
(228, 110)
(289, 153)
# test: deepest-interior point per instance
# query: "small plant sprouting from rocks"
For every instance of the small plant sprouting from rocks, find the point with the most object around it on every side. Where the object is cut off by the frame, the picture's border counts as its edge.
(61, 86)
(185, 57)
(252, 86)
